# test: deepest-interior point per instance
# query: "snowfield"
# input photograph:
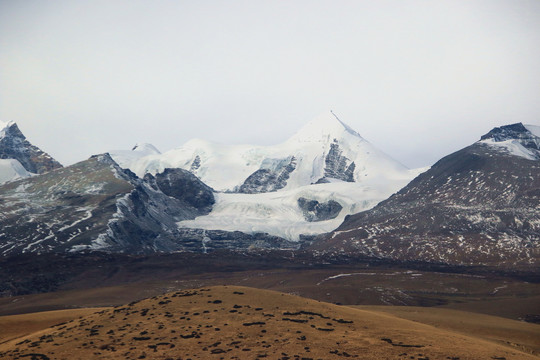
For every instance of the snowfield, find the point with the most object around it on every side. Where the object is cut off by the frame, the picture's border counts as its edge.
(11, 169)
(322, 143)
(277, 213)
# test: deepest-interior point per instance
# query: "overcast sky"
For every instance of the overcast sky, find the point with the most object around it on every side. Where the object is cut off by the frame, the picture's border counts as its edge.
(418, 79)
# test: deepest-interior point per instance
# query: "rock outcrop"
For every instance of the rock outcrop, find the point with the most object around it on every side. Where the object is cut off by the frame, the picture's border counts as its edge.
(316, 211)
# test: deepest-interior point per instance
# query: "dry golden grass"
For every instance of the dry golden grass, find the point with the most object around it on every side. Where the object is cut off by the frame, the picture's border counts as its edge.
(228, 322)
(518, 334)
(15, 326)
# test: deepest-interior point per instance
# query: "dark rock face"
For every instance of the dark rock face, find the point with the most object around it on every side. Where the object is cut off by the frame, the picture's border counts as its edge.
(146, 218)
(13, 145)
(195, 164)
(184, 186)
(316, 211)
(476, 206)
(199, 240)
(271, 178)
(518, 133)
(337, 166)
(514, 132)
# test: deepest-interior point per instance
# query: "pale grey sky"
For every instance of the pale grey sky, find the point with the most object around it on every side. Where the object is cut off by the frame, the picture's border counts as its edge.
(418, 79)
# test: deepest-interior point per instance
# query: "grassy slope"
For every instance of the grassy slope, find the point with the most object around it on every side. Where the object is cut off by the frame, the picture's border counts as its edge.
(238, 322)
(518, 334)
(15, 326)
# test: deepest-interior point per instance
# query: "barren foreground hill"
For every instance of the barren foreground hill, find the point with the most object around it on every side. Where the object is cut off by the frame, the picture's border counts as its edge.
(229, 322)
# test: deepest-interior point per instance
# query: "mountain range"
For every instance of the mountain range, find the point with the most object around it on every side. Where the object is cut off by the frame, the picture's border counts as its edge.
(326, 189)
(479, 205)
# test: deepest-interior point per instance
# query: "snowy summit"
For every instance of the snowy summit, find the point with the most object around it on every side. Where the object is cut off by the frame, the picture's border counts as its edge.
(305, 185)
(324, 150)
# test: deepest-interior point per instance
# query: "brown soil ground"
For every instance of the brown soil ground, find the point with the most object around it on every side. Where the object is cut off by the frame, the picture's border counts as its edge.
(230, 322)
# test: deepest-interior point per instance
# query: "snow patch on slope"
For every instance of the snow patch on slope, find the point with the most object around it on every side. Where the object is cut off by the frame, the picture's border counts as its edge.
(11, 169)
(513, 147)
(4, 126)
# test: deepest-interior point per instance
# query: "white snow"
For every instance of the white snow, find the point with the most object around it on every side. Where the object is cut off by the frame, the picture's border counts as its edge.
(512, 147)
(145, 148)
(11, 169)
(3, 126)
(125, 158)
(225, 167)
(278, 213)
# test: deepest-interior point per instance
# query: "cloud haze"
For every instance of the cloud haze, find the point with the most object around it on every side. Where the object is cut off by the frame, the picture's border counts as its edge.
(418, 79)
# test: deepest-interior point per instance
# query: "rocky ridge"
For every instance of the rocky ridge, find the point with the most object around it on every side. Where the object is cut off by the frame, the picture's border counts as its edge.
(96, 205)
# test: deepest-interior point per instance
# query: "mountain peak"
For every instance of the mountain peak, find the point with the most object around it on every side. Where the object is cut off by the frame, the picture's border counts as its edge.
(515, 139)
(14, 145)
(507, 132)
(325, 127)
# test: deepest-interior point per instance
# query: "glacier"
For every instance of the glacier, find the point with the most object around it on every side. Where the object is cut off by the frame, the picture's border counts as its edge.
(326, 160)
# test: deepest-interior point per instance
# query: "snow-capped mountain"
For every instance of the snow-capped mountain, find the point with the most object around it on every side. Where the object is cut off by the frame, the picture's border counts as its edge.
(324, 150)
(18, 157)
(480, 205)
(272, 189)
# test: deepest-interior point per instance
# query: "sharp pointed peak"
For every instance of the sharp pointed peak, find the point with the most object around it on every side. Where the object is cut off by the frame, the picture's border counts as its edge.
(325, 125)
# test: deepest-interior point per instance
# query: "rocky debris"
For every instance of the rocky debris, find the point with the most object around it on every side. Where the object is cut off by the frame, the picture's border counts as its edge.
(210, 240)
(13, 145)
(316, 211)
(272, 176)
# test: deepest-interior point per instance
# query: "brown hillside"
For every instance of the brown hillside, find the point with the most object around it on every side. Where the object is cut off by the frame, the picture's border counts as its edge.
(228, 322)
(519, 334)
(14, 326)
